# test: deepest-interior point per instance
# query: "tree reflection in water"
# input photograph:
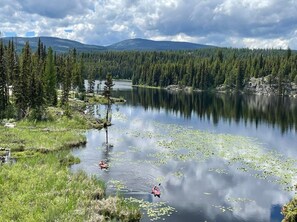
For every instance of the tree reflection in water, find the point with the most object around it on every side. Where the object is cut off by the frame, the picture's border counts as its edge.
(277, 111)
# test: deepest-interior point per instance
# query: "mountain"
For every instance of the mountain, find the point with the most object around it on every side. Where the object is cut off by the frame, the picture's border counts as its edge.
(57, 44)
(64, 45)
(150, 45)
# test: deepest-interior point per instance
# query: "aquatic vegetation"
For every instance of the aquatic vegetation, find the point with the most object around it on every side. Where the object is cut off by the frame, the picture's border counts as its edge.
(119, 116)
(160, 179)
(251, 156)
(178, 174)
(114, 208)
(225, 208)
(218, 170)
(172, 144)
(118, 185)
(155, 211)
(290, 211)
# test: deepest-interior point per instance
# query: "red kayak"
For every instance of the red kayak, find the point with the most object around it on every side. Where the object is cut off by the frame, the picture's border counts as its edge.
(156, 191)
(103, 165)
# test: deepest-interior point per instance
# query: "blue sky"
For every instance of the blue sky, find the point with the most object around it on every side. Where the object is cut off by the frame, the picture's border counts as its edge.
(229, 23)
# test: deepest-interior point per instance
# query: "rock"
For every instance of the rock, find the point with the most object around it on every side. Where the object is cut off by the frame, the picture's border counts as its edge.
(176, 88)
(9, 125)
(262, 86)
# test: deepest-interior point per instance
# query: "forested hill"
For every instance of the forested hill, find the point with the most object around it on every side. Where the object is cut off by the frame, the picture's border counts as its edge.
(57, 44)
(201, 69)
(150, 45)
(64, 45)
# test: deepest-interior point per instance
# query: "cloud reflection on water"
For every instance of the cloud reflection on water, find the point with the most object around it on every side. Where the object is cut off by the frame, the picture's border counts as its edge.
(198, 193)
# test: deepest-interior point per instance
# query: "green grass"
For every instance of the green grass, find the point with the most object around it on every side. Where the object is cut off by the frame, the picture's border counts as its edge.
(95, 99)
(42, 189)
(58, 133)
(148, 87)
(39, 186)
(115, 208)
(43, 137)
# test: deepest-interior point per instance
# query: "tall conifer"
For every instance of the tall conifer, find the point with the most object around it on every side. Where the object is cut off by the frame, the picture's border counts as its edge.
(4, 96)
(50, 79)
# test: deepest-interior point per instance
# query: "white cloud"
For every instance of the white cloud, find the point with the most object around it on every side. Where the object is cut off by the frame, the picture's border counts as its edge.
(246, 23)
(264, 43)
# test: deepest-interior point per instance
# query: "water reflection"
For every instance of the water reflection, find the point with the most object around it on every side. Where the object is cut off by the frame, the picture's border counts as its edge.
(273, 110)
(198, 193)
(209, 190)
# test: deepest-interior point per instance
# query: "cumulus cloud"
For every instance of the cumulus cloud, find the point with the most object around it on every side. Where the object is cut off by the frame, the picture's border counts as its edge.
(246, 23)
(56, 8)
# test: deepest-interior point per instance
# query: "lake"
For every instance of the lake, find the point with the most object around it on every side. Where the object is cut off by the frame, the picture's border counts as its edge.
(217, 157)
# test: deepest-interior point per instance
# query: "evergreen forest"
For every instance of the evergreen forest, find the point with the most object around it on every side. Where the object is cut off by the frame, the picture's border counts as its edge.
(201, 69)
(29, 80)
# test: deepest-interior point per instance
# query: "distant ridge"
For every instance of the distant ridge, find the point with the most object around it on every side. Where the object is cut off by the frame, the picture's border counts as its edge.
(64, 45)
(150, 45)
(59, 45)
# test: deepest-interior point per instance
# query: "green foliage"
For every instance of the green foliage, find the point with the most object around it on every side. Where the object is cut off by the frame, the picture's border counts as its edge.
(36, 76)
(108, 84)
(4, 96)
(115, 208)
(290, 211)
(50, 79)
(46, 136)
(202, 68)
(226, 106)
(91, 80)
(21, 86)
(66, 79)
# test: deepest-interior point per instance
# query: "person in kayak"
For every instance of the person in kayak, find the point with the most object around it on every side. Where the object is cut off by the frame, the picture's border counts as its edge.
(103, 165)
(156, 191)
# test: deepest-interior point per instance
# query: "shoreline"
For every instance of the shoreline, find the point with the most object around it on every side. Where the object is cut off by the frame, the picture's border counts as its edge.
(40, 172)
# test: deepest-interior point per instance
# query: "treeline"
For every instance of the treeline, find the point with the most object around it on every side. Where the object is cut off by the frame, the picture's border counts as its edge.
(275, 110)
(200, 69)
(35, 76)
(29, 81)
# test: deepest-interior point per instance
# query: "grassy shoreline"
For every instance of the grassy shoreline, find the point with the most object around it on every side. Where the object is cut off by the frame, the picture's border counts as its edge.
(40, 186)
(148, 87)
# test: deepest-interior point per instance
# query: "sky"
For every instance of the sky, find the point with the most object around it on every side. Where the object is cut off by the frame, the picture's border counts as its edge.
(224, 23)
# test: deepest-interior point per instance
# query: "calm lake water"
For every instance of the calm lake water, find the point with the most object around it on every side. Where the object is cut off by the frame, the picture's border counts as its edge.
(190, 143)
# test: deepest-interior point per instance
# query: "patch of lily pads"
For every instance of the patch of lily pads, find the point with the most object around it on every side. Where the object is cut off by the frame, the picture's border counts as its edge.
(155, 210)
(182, 144)
(251, 156)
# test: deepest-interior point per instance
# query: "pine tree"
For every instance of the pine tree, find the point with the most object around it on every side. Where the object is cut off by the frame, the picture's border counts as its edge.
(108, 84)
(10, 61)
(36, 92)
(21, 83)
(4, 94)
(239, 77)
(50, 79)
(91, 80)
(80, 79)
(66, 80)
(75, 69)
